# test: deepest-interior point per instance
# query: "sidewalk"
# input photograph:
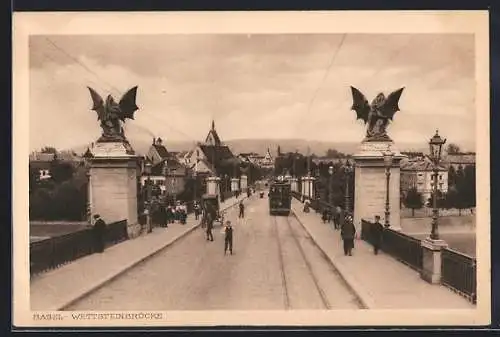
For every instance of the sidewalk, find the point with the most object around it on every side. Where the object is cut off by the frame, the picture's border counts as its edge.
(56, 289)
(380, 281)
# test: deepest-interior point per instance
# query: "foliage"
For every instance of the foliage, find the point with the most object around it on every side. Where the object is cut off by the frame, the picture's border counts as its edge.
(48, 149)
(332, 153)
(413, 200)
(453, 149)
(65, 201)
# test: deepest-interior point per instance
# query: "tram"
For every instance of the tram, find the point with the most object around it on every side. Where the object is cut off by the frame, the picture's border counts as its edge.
(280, 197)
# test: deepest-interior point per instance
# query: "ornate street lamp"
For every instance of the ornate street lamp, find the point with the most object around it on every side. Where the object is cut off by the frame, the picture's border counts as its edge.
(388, 158)
(435, 145)
(348, 170)
(330, 185)
(147, 170)
(88, 210)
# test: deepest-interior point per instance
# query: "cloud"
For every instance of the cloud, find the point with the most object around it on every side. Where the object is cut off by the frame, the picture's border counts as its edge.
(257, 86)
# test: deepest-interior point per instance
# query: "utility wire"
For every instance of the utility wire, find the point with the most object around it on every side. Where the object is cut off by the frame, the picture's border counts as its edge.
(85, 67)
(82, 65)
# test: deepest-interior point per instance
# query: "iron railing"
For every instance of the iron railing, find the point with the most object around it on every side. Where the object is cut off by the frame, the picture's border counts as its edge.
(57, 251)
(404, 248)
(458, 272)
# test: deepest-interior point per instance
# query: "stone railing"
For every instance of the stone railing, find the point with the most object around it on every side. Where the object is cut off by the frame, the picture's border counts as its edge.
(458, 271)
(56, 251)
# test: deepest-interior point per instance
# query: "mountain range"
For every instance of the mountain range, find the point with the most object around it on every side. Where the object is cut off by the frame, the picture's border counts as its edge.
(260, 146)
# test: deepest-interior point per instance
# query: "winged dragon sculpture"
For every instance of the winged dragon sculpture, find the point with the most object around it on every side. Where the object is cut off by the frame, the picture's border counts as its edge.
(112, 114)
(377, 114)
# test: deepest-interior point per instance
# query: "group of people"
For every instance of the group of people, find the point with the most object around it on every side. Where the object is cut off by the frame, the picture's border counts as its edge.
(162, 215)
(344, 222)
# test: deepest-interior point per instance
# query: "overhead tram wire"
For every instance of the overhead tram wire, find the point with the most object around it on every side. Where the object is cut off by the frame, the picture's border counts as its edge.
(372, 76)
(82, 65)
(325, 76)
(112, 87)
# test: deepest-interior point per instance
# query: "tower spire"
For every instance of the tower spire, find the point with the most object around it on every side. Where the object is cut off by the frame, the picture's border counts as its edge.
(213, 124)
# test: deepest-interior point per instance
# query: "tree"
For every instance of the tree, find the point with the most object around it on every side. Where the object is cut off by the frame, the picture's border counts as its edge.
(48, 149)
(332, 153)
(61, 171)
(452, 176)
(413, 200)
(453, 149)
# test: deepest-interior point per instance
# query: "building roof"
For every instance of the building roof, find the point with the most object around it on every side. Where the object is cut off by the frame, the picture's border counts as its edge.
(215, 154)
(213, 134)
(465, 159)
(162, 168)
(420, 165)
(39, 164)
(162, 151)
(39, 156)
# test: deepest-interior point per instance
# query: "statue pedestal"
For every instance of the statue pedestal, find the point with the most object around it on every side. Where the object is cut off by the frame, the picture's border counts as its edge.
(308, 187)
(431, 260)
(235, 184)
(294, 185)
(213, 185)
(243, 183)
(113, 184)
(370, 180)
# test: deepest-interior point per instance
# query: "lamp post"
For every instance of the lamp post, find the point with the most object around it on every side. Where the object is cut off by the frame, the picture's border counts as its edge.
(388, 158)
(330, 187)
(348, 170)
(147, 169)
(88, 211)
(435, 145)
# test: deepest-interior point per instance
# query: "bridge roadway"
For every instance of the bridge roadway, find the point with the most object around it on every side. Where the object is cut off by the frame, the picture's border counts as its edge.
(274, 266)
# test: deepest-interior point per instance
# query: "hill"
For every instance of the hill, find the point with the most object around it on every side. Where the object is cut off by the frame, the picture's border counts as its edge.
(318, 148)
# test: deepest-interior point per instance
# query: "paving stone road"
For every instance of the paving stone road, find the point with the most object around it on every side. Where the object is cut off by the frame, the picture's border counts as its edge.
(275, 266)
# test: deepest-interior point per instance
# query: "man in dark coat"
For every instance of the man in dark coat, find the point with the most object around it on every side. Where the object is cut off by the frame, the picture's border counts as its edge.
(210, 226)
(348, 232)
(162, 216)
(377, 231)
(242, 210)
(99, 232)
(228, 238)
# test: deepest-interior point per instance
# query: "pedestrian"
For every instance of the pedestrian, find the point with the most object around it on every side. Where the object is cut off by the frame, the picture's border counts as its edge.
(377, 232)
(99, 232)
(242, 210)
(324, 216)
(228, 238)
(196, 208)
(210, 225)
(162, 216)
(348, 232)
(336, 217)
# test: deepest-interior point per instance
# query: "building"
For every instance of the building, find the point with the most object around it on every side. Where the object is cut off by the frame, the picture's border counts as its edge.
(42, 162)
(419, 174)
(167, 172)
(212, 157)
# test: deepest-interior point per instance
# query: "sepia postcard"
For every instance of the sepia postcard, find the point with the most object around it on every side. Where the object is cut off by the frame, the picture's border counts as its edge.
(251, 169)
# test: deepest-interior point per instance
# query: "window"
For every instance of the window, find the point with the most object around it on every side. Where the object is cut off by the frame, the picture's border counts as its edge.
(440, 177)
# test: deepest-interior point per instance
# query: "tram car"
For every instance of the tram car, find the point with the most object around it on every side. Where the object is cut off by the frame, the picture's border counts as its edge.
(280, 198)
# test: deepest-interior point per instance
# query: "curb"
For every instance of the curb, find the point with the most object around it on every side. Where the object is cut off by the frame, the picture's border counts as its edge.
(365, 299)
(133, 264)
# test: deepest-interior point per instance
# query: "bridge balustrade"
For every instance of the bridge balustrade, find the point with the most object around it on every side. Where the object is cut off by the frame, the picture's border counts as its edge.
(403, 247)
(458, 272)
(57, 251)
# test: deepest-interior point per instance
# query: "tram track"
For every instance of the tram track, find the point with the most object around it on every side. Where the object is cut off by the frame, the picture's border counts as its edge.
(321, 293)
(312, 275)
(286, 298)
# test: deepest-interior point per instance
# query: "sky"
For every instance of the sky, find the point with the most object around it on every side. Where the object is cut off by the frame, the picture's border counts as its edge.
(253, 86)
